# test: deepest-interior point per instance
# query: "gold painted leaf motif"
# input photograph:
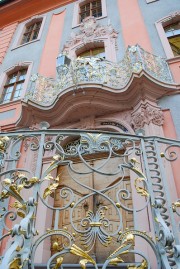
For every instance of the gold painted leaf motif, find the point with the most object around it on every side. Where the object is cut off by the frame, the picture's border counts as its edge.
(50, 189)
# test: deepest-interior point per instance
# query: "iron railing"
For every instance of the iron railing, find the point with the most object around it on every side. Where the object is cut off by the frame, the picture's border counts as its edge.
(106, 178)
(98, 71)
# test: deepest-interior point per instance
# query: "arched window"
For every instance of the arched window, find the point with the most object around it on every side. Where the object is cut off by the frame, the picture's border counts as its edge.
(94, 52)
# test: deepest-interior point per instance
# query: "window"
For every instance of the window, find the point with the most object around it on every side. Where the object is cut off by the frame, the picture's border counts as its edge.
(168, 29)
(173, 34)
(88, 8)
(14, 85)
(31, 32)
(92, 8)
(96, 52)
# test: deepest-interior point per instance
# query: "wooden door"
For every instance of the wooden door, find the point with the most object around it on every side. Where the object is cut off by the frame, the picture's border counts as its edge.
(96, 181)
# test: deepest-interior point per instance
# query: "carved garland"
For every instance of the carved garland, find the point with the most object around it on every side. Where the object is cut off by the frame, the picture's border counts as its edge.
(145, 115)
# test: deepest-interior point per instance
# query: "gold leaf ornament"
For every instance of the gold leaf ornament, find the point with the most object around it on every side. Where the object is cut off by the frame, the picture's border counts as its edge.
(115, 261)
(49, 190)
(15, 264)
(79, 252)
(83, 263)
(140, 189)
(34, 180)
(59, 261)
(18, 205)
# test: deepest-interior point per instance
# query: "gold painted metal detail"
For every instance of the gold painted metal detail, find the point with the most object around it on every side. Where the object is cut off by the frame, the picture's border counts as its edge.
(79, 252)
(56, 246)
(143, 265)
(15, 264)
(118, 205)
(13, 190)
(3, 143)
(59, 261)
(142, 191)
(115, 261)
(49, 190)
(127, 242)
(95, 224)
(162, 154)
(175, 205)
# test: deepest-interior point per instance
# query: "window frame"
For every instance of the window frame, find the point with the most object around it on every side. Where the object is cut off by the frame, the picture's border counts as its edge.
(35, 27)
(76, 14)
(90, 9)
(14, 85)
(22, 28)
(4, 79)
(170, 19)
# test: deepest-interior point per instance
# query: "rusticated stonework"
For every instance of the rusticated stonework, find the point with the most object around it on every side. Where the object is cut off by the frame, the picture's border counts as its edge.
(146, 114)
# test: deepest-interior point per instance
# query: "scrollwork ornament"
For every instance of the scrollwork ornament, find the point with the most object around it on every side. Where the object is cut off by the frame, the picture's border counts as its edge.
(169, 153)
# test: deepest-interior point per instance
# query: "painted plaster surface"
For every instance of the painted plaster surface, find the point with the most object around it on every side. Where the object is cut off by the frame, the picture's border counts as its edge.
(51, 48)
(28, 52)
(172, 103)
(134, 30)
(170, 132)
(152, 13)
(7, 114)
(111, 18)
(5, 39)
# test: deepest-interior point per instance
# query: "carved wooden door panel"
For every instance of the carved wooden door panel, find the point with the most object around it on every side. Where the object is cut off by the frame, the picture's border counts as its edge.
(94, 202)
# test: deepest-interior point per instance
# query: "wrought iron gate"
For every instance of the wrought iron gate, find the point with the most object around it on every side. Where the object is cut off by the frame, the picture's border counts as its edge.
(31, 184)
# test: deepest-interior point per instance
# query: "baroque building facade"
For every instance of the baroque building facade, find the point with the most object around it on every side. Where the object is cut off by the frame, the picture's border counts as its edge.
(89, 119)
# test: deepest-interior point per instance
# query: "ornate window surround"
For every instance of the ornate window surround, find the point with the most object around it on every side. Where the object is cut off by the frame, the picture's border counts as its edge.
(21, 29)
(171, 18)
(92, 34)
(75, 22)
(12, 69)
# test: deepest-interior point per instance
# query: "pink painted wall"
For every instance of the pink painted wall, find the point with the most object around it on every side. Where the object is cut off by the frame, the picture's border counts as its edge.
(174, 65)
(170, 132)
(5, 39)
(51, 49)
(133, 26)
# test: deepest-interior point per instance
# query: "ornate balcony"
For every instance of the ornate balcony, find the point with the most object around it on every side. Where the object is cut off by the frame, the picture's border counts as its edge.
(99, 71)
(120, 209)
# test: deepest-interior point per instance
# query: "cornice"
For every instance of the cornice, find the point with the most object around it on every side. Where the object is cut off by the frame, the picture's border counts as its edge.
(98, 100)
(20, 10)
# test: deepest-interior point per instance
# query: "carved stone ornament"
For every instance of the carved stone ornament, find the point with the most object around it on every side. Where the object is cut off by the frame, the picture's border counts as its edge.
(147, 114)
(90, 31)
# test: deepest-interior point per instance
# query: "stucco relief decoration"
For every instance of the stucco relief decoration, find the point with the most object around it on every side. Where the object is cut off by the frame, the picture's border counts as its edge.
(171, 16)
(139, 119)
(147, 114)
(90, 31)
